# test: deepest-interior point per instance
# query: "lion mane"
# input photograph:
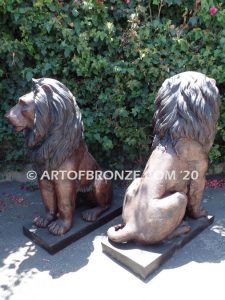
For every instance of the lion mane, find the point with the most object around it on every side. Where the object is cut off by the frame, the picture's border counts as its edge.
(57, 129)
(186, 106)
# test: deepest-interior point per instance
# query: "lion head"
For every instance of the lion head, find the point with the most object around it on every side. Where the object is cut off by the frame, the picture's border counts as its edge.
(187, 106)
(51, 119)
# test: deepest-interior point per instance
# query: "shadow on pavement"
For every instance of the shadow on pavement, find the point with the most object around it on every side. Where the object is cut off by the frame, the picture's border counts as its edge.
(19, 257)
(208, 246)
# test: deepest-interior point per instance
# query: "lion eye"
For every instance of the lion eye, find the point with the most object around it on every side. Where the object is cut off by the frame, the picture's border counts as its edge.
(22, 102)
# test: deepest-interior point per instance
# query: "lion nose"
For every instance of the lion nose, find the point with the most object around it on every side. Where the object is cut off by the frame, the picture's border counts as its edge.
(7, 116)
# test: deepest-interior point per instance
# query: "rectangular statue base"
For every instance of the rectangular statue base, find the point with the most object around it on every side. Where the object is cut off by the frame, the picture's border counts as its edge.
(53, 244)
(144, 260)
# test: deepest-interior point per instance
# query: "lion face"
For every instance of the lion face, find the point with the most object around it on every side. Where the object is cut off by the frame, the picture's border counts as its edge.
(21, 116)
(52, 122)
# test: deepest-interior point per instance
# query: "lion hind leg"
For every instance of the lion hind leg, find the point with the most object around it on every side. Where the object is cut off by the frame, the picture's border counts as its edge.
(101, 197)
(164, 216)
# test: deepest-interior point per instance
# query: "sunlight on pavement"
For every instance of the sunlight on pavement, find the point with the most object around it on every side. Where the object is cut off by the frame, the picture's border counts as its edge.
(11, 264)
(218, 229)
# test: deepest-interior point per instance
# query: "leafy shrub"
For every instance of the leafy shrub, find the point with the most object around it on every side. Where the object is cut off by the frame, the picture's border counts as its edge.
(113, 55)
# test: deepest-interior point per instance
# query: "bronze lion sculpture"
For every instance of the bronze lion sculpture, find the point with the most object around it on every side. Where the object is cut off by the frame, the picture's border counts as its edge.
(186, 113)
(51, 120)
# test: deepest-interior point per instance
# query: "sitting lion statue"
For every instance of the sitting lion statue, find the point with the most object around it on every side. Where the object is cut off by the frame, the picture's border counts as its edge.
(186, 113)
(51, 119)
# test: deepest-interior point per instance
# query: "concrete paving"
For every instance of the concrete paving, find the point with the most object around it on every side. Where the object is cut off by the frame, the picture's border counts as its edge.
(82, 271)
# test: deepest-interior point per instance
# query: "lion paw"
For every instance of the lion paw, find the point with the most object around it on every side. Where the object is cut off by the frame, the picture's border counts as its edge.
(92, 214)
(43, 222)
(59, 227)
(180, 230)
(199, 214)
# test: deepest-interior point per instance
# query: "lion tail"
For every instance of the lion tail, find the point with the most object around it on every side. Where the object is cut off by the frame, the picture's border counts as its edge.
(120, 234)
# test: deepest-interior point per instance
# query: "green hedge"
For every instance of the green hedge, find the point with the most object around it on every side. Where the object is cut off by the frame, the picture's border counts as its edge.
(113, 55)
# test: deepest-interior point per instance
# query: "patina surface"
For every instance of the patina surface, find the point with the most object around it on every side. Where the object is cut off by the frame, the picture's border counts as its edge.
(51, 120)
(186, 113)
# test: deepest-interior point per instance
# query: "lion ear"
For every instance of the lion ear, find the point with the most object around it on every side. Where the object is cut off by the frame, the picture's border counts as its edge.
(46, 88)
(34, 83)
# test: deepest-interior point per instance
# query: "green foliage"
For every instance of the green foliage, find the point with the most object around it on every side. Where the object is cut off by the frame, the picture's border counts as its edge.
(113, 55)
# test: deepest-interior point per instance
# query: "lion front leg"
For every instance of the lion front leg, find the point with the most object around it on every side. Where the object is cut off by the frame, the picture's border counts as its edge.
(195, 192)
(66, 196)
(49, 200)
(196, 188)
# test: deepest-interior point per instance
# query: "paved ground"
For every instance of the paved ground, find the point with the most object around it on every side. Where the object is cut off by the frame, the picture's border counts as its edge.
(83, 271)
